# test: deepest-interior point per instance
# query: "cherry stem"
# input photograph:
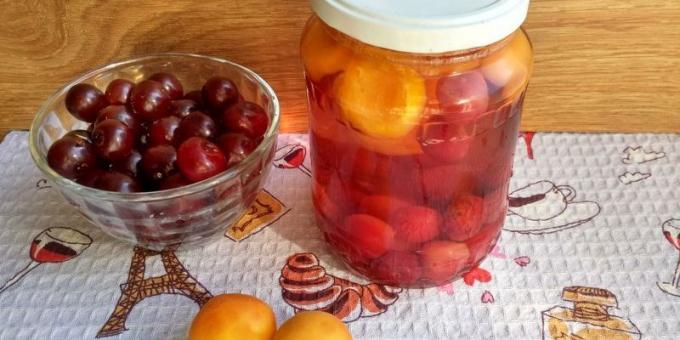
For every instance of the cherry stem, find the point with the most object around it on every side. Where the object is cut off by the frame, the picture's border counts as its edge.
(19, 275)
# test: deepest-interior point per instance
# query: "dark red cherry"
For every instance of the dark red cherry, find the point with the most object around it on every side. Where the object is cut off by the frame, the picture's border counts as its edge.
(170, 83)
(118, 91)
(182, 107)
(236, 147)
(128, 165)
(149, 100)
(84, 102)
(196, 96)
(198, 159)
(247, 118)
(219, 93)
(158, 162)
(173, 181)
(120, 113)
(116, 181)
(88, 178)
(72, 156)
(196, 124)
(163, 130)
(142, 140)
(113, 140)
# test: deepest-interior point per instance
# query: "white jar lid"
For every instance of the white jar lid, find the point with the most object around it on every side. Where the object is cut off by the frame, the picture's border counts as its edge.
(424, 26)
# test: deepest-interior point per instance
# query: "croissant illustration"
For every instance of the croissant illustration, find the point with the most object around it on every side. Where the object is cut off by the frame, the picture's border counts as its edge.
(307, 286)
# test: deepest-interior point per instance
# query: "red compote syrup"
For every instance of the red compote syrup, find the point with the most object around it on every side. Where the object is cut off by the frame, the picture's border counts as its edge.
(412, 157)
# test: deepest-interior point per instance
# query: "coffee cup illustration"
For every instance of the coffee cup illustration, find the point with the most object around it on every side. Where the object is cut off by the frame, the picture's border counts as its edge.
(544, 207)
(540, 201)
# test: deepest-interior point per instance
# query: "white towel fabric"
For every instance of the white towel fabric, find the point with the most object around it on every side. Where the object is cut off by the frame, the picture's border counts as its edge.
(621, 189)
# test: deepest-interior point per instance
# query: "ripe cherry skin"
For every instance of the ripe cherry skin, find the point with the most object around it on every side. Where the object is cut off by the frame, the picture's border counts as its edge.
(236, 147)
(142, 139)
(183, 107)
(84, 102)
(158, 162)
(120, 113)
(128, 165)
(118, 91)
(162, 131)
(115, 181)
(247, 118)
(196, 96)
(173, 181)
(113, 140)
(89, 178)
(149, 100)
(196, 124)
(136, 131)
(170, 83)
(198, 159)
(72, 156)
(219, 93)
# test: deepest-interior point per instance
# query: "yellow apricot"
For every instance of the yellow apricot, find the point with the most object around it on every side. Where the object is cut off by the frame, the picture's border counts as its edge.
(322, 55)
(233, 317)
(380, 99)
(313, 325)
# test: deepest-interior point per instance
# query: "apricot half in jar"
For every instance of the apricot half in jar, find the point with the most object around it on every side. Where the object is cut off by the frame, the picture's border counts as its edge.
(322, 54)
(380, 99)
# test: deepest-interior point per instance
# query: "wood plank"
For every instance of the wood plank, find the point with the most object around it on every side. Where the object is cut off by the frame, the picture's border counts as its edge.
(606, 65)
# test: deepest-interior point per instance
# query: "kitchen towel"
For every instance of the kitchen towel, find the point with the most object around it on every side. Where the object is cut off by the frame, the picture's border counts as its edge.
(596, 258)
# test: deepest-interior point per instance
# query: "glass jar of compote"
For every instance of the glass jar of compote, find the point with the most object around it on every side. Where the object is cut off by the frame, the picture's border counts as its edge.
(414, 115)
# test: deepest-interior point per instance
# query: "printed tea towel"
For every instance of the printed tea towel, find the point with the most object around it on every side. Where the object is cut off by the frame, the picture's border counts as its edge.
(596, 257)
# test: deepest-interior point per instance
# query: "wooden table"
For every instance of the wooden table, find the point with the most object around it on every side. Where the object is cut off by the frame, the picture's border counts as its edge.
(605, 65)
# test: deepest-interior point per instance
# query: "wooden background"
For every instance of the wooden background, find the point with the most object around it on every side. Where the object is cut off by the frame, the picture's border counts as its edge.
(601, 65)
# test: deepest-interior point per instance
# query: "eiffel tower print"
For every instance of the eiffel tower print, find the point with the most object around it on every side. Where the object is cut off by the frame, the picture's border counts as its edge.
(176, 280)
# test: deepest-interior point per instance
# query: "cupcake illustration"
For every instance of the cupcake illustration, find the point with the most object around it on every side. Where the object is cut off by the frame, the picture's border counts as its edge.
(306, 286)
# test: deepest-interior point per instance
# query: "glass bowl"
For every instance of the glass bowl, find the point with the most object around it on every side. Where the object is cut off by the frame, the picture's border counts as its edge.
(187, 215)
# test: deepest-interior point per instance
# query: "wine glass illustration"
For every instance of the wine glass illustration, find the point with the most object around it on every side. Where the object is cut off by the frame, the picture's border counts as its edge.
(52, 245)
(671, 230)
(291, 156)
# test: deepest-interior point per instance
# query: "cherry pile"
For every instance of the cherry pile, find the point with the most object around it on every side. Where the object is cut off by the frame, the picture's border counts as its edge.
(152, 136)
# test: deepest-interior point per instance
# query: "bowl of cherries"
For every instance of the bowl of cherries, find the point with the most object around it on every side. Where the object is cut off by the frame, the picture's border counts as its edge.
(159, 150)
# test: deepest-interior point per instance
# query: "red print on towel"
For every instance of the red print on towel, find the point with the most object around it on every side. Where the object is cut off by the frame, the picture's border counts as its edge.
(176, 280)
(306, 286)
(292, 156)
(528, 139)
(52, 245)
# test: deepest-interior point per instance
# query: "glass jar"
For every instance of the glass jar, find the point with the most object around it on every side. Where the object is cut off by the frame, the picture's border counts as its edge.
(413, 125)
